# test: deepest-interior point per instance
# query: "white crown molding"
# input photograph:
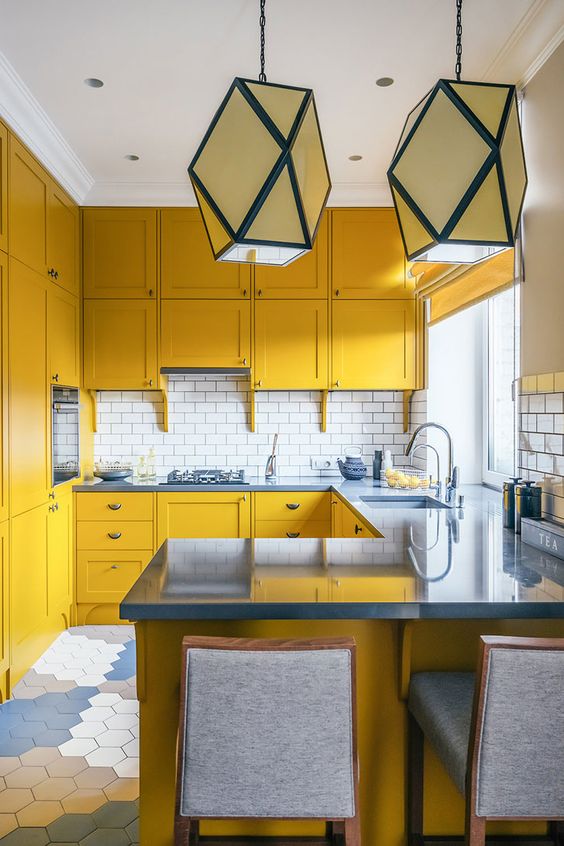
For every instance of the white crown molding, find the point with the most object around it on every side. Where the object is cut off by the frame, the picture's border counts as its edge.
(21, 111)
(535, 66)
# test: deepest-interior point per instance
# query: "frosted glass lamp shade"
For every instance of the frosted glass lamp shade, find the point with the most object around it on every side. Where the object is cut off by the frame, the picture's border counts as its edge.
(458, 175)
(260, 174)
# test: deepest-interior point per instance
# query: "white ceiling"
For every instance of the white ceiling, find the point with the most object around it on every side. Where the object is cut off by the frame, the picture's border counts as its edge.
(166, 66)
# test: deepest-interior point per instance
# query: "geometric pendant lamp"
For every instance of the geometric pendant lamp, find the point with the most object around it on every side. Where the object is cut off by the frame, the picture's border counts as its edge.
(260, 174)
(458, 174)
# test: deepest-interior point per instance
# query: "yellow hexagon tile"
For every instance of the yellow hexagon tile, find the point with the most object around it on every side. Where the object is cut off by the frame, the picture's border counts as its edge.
(84, 801)
(40, 756)
(13, 799)
(8, 765)
(54, 788)
(8, 822)
(39, 814)
(95, 777)
(26, 777)
(70, 766)
(123, 790)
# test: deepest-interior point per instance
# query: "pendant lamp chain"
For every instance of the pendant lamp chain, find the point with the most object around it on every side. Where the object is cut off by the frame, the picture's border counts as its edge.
(458, 64)
(262, 24)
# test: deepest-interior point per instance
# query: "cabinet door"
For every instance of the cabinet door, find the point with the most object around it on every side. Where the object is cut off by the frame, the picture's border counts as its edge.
(373, 345)
(353, 527)
(368, 258)
(203, 515)
(62, 239)
(3, 188)
(292, 529)
(120, 253)
(291, 345)
(28, 409)
(376, 589)
(120, 344)
(3, 386)
(305, 278)
(63, 338)
(29, 190)
(272, 589)
(107, 577)
(188, 268)
(4, 598)
(205, 333)
(28, 586)
(59, 556)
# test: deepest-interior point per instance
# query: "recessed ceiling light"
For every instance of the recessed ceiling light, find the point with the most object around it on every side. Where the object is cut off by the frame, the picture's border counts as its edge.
(92, 82)
(384, 81)
(131, 157)
(355, 158)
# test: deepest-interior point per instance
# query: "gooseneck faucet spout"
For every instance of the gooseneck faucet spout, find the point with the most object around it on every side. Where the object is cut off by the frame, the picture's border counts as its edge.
(452, 480)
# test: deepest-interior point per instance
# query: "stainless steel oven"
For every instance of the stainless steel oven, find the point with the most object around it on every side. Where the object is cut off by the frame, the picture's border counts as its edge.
(65, 432)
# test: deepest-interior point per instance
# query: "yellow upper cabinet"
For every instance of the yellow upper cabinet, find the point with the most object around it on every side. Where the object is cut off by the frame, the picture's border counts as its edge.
(62, 239)
(203, 515)
(3, 387)
(120, 253)
(188, 269)
(373, 345)
(305, 278)
(27, 208)
(205, 333)
(120, 344)
(291, 345)
(63, 351)
(368, 258)
(3, 188)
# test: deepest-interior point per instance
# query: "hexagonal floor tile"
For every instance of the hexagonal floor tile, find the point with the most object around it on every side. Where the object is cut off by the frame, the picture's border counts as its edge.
(116, 814)
(8, 765)
(131, 749)
(88, 729)
(40, 756)
(67, 766)
(26, 777)
(83, 693)
(133, 831)
(84, 801)
(78, 746)
(128, 768)
(39, 813)
(106, 837)
(15, 746)
(27, 728)
(114, 737)
(96, 777)
(96, 715)
(26, 837)
(107, 757)
(71, 827)
(54, 788)
(123, 789)
(126, 706)
(121, 721)
(13, 799)
(8, 823)
(105, 699)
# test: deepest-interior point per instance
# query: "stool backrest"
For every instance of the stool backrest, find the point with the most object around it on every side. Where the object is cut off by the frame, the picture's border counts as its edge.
(516, 751)
(267, 729)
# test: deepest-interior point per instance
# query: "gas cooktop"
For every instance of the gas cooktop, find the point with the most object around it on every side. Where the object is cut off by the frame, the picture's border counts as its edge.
(206, 477)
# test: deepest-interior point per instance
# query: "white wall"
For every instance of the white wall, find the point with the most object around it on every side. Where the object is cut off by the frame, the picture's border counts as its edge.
(454, 397)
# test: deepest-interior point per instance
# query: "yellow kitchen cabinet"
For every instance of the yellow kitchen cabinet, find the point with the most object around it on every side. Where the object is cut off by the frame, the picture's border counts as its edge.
(373, 345)
(27, 208)
(120, 344)
(283, 505)
(101, 505)
(299, 588)
(63, 350)
(203, 515)
(292, 528)
(4, 605)
(367, 255)
(114, 534)
(3, 387)
(345, 523)
(188, 268)
(205, 333)
(385, 586)
(291, 345)
(306, 278)
(29, 437)
(62, 239)
(60, 556)
(104, 577)
(3, 187)
(120, 253)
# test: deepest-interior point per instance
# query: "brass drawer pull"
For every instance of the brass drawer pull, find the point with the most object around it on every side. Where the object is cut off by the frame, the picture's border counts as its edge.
(292, 505)
(114, 535)
(357, 528)
(114, 567)
(114, 506)
(292, 534)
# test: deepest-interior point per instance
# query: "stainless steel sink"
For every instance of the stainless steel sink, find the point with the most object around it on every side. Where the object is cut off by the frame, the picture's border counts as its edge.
(404, 501)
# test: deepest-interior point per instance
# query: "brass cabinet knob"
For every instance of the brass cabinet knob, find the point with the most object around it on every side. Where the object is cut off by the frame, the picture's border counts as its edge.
(259, 292)
(244, 292)
(292, 505)
(114, 506)
(151, 292)
(337, 293)
(292, 534)
(114, 535)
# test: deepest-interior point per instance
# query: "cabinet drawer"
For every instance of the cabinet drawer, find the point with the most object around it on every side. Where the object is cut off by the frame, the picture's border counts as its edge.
(107, 578)
(293, 528)
(107, 506)
(130, 535)
(292, 505)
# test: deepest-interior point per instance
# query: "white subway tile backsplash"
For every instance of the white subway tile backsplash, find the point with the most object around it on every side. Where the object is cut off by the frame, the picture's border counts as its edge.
(541, 444)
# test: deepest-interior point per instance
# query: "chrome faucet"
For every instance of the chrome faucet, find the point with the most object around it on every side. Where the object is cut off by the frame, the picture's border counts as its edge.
(439, 485)
(452, 480)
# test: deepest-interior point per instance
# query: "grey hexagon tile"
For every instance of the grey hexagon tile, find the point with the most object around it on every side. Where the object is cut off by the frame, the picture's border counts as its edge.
(109, 756)
(26, 837)
(131, 749)
(107, 837)
(114, 737)
(105, 700)
(121, 721)
(96, 715)
(71, 827)
(116, 814)
(78, 746)
(126, 706)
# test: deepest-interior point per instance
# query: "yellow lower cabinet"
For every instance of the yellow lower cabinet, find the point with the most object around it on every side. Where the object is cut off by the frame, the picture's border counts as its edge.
(114, 535)
(296, 589)
(203, 515)
(100, 505)
(102, 577)
(385, 587)
(345, 524)
(300, 505)
(291, 345)
(4, 611)
(205, 333)
(292, 529)
(373, 345)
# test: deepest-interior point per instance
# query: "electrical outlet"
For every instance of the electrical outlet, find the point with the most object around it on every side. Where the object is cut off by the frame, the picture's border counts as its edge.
(325, 462)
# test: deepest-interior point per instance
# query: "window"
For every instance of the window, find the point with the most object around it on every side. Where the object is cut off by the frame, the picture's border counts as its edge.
(501, 370)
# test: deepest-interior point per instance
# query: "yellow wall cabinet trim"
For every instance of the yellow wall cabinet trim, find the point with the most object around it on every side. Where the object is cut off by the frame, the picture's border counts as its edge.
(305, 279)
(3, 187)
(205, 333)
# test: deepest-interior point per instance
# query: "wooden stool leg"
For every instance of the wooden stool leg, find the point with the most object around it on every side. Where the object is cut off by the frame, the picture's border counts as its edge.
(475, 832)
(352, 831)
(414, 821)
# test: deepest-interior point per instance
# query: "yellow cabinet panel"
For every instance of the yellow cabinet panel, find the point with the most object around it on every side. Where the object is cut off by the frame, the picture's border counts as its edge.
(373, 345)
(62, 239)
(188, 268)
(3, 188)
(4, 597)
(28, 576)
(203, 515)
(120, 252)
(291, 345)
(108, 506)
(368, 258)
(345, 524)
(59, 555)
(380, 588)
(28, 196)
(105, 577)
(300, 505)
(63, 321)
(293, 528)
(205, 333)
(305, 278)
(114, 534)
(297, 589)
(28, 409)
(120, 344)
(3, 386)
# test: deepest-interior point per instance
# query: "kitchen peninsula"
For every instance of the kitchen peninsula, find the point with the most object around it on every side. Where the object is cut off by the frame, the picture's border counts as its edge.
(416, 597)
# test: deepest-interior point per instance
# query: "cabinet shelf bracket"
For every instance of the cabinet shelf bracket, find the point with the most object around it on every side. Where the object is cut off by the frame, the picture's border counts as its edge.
(93, 410)
(406, 409)
(324, 398)
(163, 382)
(252, 421)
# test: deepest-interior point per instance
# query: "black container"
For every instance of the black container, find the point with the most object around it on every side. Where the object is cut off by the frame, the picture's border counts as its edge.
(528, 503)
(376, 466)
(509, 502)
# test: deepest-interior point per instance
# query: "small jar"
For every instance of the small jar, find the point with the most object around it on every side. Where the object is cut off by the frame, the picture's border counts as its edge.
(528, 503)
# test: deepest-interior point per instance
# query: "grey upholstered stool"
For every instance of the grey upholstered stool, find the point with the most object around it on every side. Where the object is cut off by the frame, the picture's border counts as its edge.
(499, 734)
(267, 729)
